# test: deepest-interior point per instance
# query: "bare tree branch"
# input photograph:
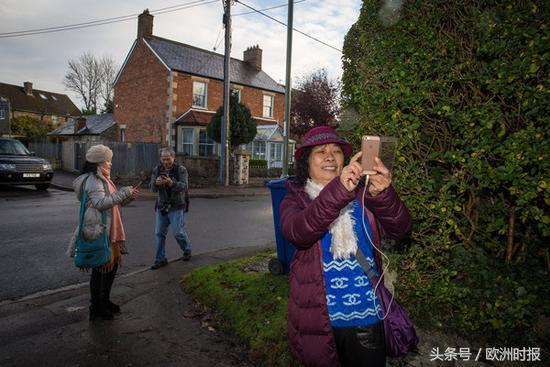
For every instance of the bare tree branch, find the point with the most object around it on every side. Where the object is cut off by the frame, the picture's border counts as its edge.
(91, 78)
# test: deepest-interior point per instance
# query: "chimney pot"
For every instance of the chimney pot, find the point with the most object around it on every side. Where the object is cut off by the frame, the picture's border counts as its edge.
(253, 56)
(145, 25)
(28, 88)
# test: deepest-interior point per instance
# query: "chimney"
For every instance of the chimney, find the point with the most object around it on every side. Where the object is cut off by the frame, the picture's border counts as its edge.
(79, 124)
(145, 25)
(28, 88)
(253, 56)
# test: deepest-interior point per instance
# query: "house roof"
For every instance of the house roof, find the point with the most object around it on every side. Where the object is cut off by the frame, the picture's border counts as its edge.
(192, 60)
(42, 102)
(271, 133)
(194, 117)
(95, 125)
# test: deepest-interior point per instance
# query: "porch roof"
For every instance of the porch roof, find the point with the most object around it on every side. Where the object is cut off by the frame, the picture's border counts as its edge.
(194, 117)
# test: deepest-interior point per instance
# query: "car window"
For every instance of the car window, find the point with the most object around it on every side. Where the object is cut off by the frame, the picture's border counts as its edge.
(13, 147)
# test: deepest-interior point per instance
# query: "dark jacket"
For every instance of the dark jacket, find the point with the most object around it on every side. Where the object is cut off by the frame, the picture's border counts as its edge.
(174, 197)
(303, 223)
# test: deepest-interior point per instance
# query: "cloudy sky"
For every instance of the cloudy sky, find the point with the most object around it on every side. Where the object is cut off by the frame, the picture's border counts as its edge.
(42, 58)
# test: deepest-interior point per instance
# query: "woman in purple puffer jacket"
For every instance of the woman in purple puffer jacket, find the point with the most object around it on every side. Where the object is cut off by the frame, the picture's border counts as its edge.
(333, 312)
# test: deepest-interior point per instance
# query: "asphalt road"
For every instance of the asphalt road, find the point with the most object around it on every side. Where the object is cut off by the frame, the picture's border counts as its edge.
(35, 228)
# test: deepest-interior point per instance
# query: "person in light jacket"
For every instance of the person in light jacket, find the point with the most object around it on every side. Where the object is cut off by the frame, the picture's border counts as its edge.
(333, 311)
(102, 196)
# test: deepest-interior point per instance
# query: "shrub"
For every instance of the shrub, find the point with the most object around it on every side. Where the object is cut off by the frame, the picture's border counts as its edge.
(260, 163)
(464, 86)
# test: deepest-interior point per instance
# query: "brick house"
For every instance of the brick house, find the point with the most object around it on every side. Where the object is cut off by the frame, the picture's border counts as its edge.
(41, 105)
(166, 92)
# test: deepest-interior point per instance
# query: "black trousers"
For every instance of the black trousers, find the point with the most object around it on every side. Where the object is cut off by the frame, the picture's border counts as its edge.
(100, 286)
(361, 346)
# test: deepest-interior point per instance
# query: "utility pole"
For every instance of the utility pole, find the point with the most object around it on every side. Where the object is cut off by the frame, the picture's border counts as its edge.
(288, 87)
(224, 159)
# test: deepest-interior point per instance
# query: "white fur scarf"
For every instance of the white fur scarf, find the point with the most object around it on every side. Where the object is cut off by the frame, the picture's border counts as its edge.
(344, 239)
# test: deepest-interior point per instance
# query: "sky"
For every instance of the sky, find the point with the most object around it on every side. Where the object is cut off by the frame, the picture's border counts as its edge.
(42, 58)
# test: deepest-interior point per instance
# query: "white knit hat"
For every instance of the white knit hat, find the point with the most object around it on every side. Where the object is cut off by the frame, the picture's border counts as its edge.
(99, 153)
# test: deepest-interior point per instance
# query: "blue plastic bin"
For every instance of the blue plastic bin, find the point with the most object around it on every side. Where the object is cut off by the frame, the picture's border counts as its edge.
(285, 249)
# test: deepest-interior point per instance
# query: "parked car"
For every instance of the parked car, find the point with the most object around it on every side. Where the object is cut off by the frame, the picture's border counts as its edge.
(19, 166)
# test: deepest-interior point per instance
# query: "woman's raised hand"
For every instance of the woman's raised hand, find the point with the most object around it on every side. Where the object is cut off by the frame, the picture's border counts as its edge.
(379, 179)
(134, 191)
(351, 174)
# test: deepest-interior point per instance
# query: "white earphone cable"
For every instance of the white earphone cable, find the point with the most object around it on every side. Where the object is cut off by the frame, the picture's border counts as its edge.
(386, 258)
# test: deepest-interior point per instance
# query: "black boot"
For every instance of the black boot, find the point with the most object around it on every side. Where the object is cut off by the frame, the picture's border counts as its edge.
(98, 309)
(110, 278)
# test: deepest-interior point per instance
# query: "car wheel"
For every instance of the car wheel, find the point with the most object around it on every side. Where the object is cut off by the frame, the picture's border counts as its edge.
(42, 187)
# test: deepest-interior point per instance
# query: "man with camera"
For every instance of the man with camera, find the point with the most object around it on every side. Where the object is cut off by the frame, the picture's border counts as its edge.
(169, 179)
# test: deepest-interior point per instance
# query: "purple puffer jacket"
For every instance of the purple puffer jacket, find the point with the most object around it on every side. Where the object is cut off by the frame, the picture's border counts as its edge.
(303, 223)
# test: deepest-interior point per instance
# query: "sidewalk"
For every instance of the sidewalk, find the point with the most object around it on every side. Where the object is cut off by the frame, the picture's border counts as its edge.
(157, 325)
(63, 181)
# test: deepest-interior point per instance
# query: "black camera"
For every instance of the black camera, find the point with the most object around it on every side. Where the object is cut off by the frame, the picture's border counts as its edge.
(165, 208)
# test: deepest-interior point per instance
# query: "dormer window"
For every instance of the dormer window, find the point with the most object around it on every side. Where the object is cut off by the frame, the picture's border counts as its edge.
(43, 96)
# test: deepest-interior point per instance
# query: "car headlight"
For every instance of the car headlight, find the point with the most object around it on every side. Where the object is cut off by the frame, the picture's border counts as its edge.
(47, 167)
(7, 167)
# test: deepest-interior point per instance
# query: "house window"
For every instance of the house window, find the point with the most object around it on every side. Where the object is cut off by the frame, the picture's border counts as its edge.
(187, 141)
(236, 92)
(2, 114)
(207, 146)
(43, 96)
(276, 152)
(54, 119)
(268, 106)
(199, 94)
(123, 134)
(257, 149)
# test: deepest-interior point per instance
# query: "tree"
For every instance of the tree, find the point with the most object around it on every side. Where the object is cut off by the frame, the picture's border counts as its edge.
(314, 103)
(92, 79)
(31, 129)
(109, 71)
(243, 126)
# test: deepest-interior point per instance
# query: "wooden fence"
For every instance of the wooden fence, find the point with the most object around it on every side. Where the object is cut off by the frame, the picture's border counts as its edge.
(129, 159)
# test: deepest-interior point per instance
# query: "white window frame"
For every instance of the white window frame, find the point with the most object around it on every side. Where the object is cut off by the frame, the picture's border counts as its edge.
(196, 82)
(254, 150)
(2, 114)
(270, 107)
(276, 152)
(209, 143)
(122, 134)
(183, 143)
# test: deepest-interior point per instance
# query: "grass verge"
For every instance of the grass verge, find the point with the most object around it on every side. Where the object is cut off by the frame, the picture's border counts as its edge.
(250, 302)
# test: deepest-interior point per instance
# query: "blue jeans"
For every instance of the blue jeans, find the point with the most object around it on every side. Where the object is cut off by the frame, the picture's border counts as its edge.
(175, 219)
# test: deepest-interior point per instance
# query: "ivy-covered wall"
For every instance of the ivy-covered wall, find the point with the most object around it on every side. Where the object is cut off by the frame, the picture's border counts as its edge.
(464, 85)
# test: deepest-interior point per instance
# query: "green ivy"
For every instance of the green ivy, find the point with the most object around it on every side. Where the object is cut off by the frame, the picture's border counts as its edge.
(465, 88)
